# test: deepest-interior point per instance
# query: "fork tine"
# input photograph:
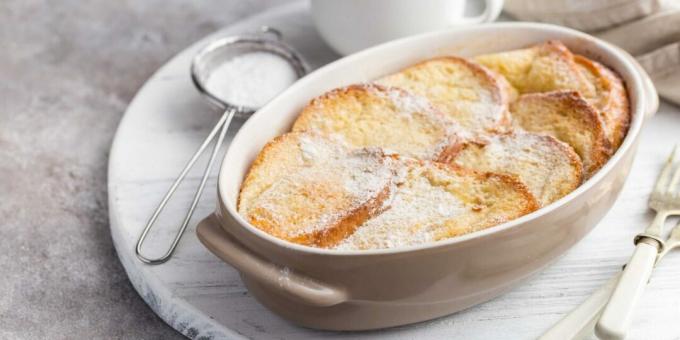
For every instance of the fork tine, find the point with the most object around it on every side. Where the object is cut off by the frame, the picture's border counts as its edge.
(664, 177)
(676, 177)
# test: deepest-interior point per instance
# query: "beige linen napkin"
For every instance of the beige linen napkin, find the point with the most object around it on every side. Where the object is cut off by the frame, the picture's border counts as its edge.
(647, 29)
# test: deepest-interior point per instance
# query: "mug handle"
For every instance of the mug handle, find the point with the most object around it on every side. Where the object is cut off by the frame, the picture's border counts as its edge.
(290, 282)
(491, 12)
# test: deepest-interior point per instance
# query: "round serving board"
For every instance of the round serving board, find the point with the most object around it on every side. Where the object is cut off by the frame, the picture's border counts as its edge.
(202, 297)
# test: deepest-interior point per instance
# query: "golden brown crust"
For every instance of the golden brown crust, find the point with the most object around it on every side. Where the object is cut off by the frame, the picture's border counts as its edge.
(574, 160)
(499, 91)
(549, 168)
(331, 236)
(261, 158)
(303, 121)
(269, 169)
(595, 152)
(493, 83)
(611, 99)
(548, 66)
(435, 201)
(372, 115)
(545, 89)
(579, 83)
(272, 152)
(527, 204)
(556, 47)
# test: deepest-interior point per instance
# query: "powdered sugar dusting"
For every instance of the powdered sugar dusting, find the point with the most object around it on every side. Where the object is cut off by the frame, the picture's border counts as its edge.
(540, 162)
(458, 89)
(417, 210)
(329, 186)
(314, 148)
(425, 112)
(252, 79)
(407, 103)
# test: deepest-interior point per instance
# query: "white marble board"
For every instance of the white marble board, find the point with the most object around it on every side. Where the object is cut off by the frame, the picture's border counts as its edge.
(204, 298)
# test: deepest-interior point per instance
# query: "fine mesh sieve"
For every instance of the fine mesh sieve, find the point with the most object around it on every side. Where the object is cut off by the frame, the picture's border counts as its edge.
(204, 64)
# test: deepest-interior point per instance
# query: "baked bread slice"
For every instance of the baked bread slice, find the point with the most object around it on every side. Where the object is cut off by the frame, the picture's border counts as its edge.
(566, 116)
(545, 67)
(549, 168)
(435, 201)
(550, 66)
(472, 95)
(370, 115)
(283, 155)
(304, 189)
(611, 99)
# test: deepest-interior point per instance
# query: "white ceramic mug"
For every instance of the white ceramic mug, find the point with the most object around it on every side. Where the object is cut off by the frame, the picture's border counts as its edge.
(352, 25)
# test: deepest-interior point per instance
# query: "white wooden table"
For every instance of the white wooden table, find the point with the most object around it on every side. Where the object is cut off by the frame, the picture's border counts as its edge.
(204, 298)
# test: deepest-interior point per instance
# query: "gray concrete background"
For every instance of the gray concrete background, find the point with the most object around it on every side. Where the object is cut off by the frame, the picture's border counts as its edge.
(68, 69)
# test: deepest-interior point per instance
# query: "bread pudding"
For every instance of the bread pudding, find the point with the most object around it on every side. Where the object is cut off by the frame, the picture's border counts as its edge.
(442, 148)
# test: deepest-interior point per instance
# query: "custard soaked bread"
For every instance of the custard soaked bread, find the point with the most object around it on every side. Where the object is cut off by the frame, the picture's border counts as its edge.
(545, 67)
(307, 190)
(440, 149)
(378, 116)
(566, 116)
(284, 155)
(434, 201)
(551, 66)
(549, 168)
(473, 96)
(610, 99)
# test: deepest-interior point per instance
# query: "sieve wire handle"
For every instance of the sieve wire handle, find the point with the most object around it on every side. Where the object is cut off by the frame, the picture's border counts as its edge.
(221, 127)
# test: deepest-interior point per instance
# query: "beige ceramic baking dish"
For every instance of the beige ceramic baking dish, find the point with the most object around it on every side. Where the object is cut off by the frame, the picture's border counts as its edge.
(354, 290)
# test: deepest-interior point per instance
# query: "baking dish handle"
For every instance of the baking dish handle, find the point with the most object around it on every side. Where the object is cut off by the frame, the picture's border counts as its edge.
(295, 285)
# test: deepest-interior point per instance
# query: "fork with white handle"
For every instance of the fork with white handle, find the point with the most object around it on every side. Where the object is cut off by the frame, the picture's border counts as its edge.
(617, 315)
(580, 321)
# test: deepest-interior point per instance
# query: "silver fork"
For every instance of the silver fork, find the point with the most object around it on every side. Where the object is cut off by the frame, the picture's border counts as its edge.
(665, 200)
(580, 322)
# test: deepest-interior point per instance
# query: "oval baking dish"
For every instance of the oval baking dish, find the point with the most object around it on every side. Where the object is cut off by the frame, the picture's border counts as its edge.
(356, 290)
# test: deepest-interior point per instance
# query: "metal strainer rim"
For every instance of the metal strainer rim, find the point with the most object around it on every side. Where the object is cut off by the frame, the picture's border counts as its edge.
(268, 44)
